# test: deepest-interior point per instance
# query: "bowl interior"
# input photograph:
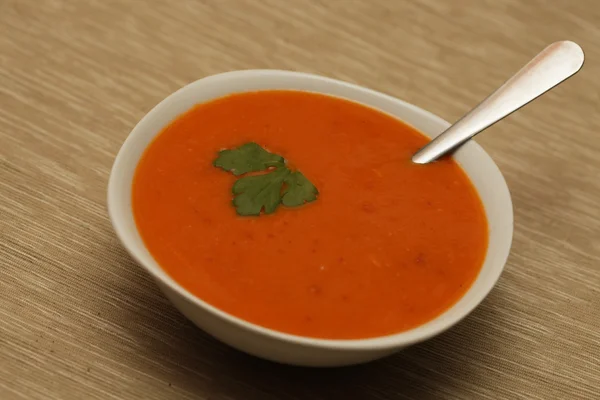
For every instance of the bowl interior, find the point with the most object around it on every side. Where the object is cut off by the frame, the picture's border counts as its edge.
(480, 168)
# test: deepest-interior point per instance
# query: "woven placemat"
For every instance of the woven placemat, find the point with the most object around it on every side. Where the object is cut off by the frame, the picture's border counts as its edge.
(80, 320)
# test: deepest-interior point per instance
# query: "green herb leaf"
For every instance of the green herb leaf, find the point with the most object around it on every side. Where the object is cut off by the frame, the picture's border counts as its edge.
(249, 157)
(298, 190)
(255, 193)
(265, 192)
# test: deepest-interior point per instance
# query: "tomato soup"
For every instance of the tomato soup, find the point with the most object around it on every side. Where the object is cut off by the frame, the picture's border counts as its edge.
(387, 245)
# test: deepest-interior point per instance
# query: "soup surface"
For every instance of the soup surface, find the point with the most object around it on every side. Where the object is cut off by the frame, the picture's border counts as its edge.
(388, 245)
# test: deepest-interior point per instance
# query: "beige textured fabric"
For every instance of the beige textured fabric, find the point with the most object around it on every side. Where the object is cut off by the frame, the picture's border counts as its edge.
(80, 320)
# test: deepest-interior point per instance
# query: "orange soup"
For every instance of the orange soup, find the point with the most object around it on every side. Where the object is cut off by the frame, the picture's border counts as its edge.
(386, 246)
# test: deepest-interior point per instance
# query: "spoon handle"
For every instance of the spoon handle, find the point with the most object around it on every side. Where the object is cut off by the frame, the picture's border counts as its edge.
(553, 65)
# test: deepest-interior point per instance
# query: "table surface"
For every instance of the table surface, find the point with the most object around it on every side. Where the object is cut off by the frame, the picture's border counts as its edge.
(79, 319)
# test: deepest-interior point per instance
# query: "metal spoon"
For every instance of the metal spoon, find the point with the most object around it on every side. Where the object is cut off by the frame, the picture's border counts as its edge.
(553, 65)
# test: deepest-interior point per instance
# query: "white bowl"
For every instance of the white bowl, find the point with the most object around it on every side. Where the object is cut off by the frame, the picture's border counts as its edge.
(267, 343)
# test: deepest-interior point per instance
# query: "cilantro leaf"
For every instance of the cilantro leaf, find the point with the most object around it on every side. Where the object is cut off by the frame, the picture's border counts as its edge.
(258, 192)
(298, 190)
(249, 157)
(254, 194)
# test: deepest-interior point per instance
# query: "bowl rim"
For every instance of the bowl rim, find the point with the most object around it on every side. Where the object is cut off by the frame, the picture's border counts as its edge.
(396, 340)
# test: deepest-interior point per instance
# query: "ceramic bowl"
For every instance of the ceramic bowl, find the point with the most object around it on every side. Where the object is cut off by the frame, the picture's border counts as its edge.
(267, 343)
